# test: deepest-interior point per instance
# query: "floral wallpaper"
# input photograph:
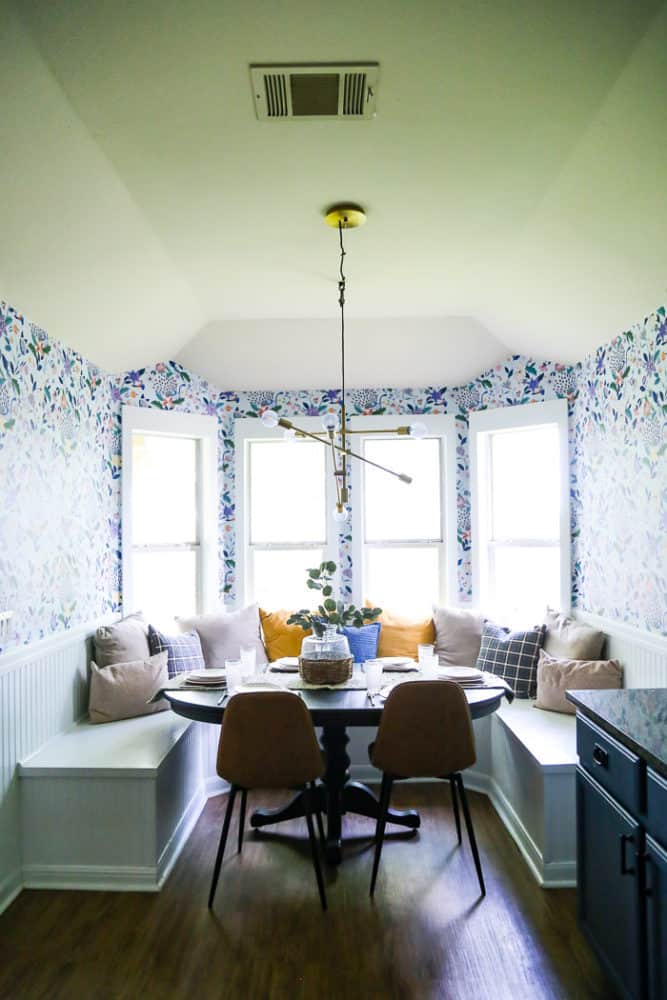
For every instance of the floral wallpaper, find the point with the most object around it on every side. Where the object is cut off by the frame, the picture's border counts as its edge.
(59, 482)
(619, 490)
(60, 469)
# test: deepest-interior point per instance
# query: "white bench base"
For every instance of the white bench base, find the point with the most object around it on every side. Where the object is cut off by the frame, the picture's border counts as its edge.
(110, 806)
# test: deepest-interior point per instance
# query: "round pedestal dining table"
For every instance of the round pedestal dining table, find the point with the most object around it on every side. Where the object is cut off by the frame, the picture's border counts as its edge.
(334, 711)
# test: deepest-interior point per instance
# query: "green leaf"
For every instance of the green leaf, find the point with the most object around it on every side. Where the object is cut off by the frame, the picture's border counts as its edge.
(327, 591)
(312, 585)
(334, 618)
(314, 574)
(330, 566)
(330, 604)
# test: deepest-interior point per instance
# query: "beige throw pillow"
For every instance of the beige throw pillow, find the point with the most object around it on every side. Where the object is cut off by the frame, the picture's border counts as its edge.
(223, 633)
(569, 638)
(122, 690)
(458, 635)
(123, 642)
(556, 676)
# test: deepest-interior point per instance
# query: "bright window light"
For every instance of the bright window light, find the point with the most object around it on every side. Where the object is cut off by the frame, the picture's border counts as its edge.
(402, 580)
(287, 491)
(393, 510)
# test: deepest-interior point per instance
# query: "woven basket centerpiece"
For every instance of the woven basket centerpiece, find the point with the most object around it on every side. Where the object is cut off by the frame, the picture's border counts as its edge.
(325, 660)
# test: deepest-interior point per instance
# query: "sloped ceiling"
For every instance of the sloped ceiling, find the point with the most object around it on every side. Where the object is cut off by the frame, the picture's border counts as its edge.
(514, 177)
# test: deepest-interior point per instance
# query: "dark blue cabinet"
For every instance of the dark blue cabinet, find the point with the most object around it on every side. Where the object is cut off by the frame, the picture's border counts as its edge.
(610, 905)
(656, 919)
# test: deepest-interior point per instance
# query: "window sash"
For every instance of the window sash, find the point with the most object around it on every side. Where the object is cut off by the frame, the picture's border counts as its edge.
(439, 426)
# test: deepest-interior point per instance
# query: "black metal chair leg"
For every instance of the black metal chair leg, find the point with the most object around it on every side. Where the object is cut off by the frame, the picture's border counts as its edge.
(244, 799)
(221, 846)
(471, 833)
(308, 808)
(385, 795)
(318, 817)
(455, 806)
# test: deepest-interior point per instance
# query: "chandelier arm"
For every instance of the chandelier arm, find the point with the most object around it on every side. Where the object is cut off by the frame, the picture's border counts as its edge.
(283, 422)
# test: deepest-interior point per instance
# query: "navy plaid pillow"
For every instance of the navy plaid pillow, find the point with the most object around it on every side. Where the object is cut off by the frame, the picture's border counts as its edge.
(184, 651)
(512, 656)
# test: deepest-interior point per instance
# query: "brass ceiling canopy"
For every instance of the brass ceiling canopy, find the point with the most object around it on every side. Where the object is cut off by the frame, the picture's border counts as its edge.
(345, 216)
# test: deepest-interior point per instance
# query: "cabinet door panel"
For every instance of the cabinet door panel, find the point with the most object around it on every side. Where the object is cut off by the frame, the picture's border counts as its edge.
(656, 912)
(608, 892)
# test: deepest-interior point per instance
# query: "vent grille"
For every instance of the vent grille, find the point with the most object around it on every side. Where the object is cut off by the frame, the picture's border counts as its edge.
(275, 90)
(354, 93)
(346, 90)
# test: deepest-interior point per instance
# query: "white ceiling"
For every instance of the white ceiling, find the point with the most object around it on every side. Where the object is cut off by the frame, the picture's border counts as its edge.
(514, 178)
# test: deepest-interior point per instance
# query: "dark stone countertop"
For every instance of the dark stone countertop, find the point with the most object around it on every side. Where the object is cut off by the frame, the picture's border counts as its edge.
(636, 717)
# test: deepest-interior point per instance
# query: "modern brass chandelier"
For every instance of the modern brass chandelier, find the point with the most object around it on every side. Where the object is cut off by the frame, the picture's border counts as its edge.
(335, 432)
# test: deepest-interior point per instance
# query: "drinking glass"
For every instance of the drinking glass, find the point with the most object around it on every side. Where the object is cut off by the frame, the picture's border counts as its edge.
(373, 669)
(248, 660)
(429, 667)
(424, 652)
(234, 672)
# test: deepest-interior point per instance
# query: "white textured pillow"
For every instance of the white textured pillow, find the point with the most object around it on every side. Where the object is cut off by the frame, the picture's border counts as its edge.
(458, 635)
(122, 690)
(123, 642)
(223, 633)
(571, 639)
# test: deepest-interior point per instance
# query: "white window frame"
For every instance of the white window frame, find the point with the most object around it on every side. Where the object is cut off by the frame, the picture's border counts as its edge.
(247, 430)
(482, 425)
(204, 429)
(441, 426)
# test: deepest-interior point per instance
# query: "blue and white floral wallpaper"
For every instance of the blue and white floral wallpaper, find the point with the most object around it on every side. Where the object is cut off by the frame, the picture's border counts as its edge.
(60, 469)
(59, 485)
(619, 491)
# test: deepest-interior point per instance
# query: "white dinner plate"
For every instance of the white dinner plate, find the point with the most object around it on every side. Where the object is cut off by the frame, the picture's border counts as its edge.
(460, 673)
(397, 663)
(212, 676)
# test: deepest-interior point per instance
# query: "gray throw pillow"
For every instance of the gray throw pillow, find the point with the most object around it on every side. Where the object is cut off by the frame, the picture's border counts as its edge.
(458, 634)
(122, 690)
(123, 642)
(223, 633)
(571, 639)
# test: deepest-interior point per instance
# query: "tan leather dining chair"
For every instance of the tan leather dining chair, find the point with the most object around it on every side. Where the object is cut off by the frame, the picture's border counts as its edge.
(267, 740)
(425, 732)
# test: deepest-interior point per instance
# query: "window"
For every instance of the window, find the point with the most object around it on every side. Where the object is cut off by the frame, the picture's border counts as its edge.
(405, 535)
(169, 514)
(520, 494)
(284, 504)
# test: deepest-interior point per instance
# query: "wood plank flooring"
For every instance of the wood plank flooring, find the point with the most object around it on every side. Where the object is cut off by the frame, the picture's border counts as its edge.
(425, 936)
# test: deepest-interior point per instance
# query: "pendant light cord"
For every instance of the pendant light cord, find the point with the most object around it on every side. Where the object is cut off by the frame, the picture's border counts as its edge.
(341, 303)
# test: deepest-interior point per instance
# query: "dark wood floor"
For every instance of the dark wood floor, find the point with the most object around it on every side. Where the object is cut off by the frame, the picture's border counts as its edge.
(425, 935)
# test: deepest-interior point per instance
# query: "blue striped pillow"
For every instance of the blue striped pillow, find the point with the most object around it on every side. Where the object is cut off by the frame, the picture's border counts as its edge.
(363, 641)
(184, 651)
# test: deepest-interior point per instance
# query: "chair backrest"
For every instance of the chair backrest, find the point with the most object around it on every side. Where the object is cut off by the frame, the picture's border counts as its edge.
(267, 740)
(425, 731)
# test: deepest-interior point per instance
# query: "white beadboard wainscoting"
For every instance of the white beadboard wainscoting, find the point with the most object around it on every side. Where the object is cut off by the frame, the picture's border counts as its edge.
(43, 691)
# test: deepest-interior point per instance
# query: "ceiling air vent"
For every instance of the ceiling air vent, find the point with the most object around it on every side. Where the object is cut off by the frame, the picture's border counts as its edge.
(315, 91)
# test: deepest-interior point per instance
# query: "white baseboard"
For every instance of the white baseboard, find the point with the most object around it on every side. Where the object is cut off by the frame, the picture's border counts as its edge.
(120, 878)
(213, 785)
(10, 887)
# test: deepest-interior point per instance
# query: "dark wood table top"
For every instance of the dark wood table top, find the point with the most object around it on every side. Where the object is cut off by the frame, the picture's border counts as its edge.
(327, 707)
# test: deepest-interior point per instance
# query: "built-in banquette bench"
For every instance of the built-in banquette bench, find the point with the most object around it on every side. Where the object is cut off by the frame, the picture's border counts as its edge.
(109, 806)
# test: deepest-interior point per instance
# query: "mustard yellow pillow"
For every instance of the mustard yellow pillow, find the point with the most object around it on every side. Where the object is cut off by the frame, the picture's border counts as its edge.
(400, 636)
(280, 638)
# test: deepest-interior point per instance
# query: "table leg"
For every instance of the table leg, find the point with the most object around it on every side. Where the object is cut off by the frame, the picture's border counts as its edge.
(334, 741)
(265, 817)
(359, 799)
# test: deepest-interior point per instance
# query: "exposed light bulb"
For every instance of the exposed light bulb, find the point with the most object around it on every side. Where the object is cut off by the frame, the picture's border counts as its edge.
(340, 514)
(289, 433)
(269, 418)
(330, 421)
(418, 430)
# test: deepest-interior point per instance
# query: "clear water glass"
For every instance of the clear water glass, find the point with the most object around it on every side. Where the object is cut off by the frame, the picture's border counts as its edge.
(234, 672)
(248, 660)
(373, 671)
(429, 667)
(425, 652)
